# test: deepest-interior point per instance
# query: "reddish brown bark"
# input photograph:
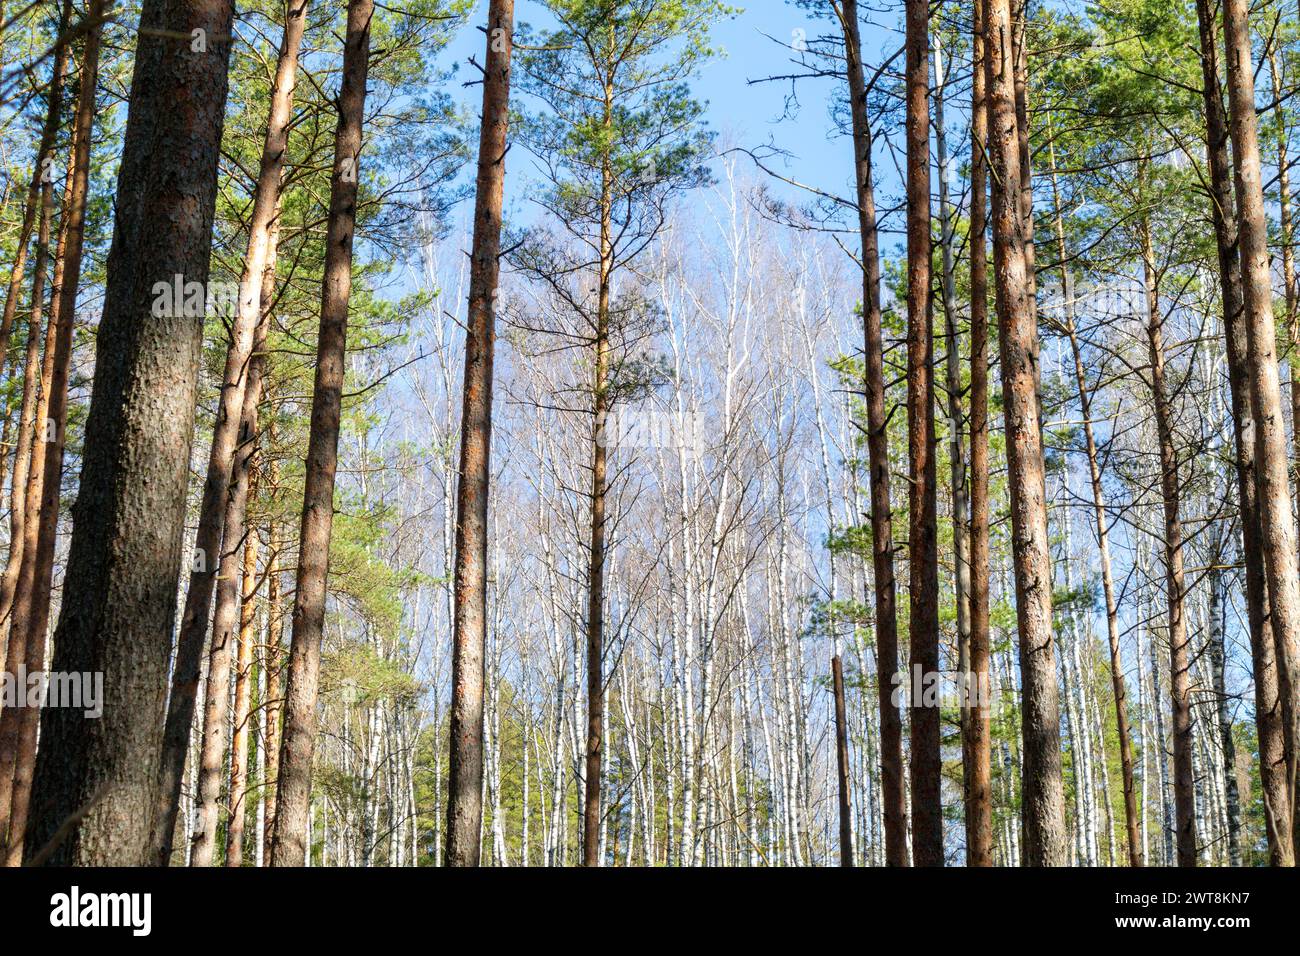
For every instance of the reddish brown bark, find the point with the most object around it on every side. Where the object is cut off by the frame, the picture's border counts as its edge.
(842, 763)
(1268, 704)
(227, 620)
(957, 475)
(596, 555)
(298, 743)
(601, 403)
(6, 433)
(923, 553)
(1277, 525)
(243, 698)
(18, 725)
(228, 623)
(1291, 293)
(208, 538)
(976, 732)
(22, 547)
(25, 648)
(45, 480)
(1289, 289)
(232, 613)
(1043, 796)
(272, 663)
(892, 785)
(19, 537)
(118, 610)
(469, 634)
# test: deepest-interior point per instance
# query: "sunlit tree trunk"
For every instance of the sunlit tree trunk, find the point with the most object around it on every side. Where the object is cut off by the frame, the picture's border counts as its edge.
(239, 772)
(1268, 704)
(953, 384)
(298, 739)
(272, 665)
(1180, 676)
(24, 652)
(263, 223)
(976, 730)
(469, 634)
(1277, 522)
(1043, 798)
(1289, 288)
(119, 598)
(893, 787)
(45, 475)
(923, 549)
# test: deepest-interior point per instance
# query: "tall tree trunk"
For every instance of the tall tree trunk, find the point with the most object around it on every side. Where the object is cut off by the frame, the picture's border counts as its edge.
(227, 620)
(272, 663)
(24, 503)
(1268, 704)
(591, 815)
(299, 733)
(469, 630)
(216, 701)
(1043, 798)
(976, 732)
(953, 386)
(1277, 523)
(18, 725)
(45, 480)
(39, 201)
(1292, 293)
(243, 694)
(119, 600)
(1289, 288)
(6, 434)
(24, 448)
(26, 649)
(923, 548)
(1020, 71)
(893, 788)
(1179, 664)
(198, 599)
(842, 761)
(595, 624)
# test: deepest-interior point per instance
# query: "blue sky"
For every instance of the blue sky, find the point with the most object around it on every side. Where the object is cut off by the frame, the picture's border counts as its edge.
(743, 114)
(753, 113)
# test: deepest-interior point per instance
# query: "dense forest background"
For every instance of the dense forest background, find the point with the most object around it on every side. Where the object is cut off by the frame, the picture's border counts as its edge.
(650, 432)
